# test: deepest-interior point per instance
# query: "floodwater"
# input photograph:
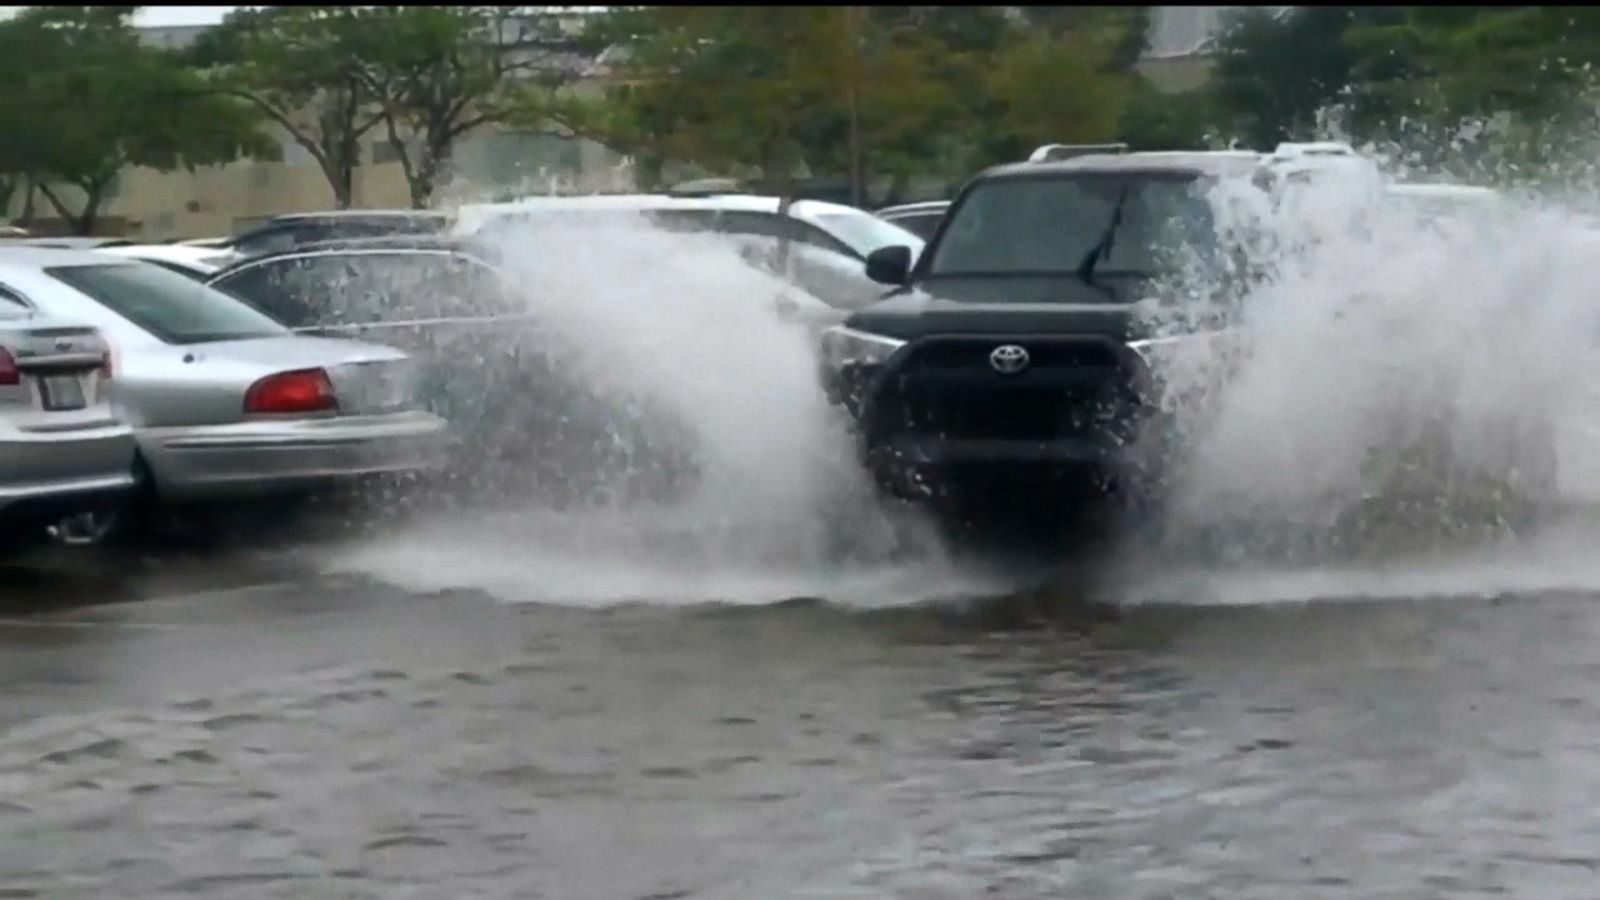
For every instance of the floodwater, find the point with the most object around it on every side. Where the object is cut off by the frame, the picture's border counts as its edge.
(300, 733)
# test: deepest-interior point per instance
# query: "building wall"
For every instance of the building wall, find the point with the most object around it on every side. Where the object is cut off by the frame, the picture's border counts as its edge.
(218, 200)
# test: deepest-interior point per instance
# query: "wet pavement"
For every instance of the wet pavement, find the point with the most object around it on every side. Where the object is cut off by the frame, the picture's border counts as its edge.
(288, 733)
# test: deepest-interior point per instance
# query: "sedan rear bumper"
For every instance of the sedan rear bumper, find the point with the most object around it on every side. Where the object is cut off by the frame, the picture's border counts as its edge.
(263, 458)
(48, 475)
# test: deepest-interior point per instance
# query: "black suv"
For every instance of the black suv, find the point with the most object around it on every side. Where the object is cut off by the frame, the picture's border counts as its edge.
(1010, 359)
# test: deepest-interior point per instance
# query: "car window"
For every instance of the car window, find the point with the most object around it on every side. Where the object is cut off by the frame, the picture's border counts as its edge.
(835, 278)
(269, 287)
(1049, 225)
(328, 289)
(775, 226)
(13, 306)
(169, 306)
(269, 240)
(921, 224)
(864, 232)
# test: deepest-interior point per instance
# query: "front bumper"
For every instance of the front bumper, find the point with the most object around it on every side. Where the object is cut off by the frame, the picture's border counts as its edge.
(934, 468)
(264, 458)
(936, 422)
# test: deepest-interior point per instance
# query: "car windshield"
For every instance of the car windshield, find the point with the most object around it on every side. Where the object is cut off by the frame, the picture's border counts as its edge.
(172, 307)
(864, 232)
(1049, 225)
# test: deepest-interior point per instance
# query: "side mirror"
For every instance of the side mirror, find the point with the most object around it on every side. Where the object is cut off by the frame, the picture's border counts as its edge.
(788, 307)
(889, 265)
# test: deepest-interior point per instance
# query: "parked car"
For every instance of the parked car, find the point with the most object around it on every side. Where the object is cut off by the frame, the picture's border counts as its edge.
(65, 456)
(292, 230)
(1008, 361)
(824, 236)
(197, 263)
(67, 242)
(921, 219)
(526, 402)
(226, 403)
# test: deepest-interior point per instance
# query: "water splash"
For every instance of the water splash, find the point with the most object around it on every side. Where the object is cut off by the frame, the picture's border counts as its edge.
(1410, 368)
(684, 329)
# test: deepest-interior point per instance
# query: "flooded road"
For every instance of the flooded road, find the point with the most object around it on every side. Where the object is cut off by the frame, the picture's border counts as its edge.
(296, 734)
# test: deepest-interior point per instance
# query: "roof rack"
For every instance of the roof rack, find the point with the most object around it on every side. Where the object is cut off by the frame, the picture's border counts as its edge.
(1057, 152)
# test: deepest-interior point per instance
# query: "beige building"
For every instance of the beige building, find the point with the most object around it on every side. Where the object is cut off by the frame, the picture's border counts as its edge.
(1178, 55)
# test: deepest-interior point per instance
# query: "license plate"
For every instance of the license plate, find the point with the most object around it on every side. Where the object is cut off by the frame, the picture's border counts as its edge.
(62, 392)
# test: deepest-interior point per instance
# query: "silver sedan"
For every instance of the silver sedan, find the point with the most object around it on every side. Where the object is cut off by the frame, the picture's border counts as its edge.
(227, 403)
(63, 452)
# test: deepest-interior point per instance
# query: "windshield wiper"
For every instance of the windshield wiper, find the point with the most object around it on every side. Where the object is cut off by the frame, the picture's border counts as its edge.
(1102, 248)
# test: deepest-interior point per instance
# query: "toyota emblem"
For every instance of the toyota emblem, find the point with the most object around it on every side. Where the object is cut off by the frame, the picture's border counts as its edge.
(1009, 359)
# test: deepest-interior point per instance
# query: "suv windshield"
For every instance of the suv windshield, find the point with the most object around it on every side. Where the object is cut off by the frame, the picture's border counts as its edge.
(176, 309)
(1047, 225)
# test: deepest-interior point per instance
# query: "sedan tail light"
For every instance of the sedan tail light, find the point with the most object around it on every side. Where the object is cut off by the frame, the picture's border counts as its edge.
(301, 391)
(10, 375)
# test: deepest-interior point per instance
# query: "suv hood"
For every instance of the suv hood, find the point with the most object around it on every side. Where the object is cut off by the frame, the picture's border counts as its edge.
(1044, 304)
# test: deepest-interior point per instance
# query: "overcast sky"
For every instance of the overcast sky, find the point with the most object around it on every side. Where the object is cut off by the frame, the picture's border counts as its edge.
(161, 15)
(182, 15)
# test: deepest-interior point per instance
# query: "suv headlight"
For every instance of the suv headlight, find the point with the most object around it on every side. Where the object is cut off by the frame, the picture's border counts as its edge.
(843, 346)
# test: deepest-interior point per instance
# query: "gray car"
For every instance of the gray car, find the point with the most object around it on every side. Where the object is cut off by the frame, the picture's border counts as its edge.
(63, 451)
(227, 403)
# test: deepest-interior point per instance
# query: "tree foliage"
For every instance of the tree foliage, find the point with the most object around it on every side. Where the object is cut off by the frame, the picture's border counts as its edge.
(438, 72)
(423, 76)
(290, 63)
(1416, 66)
(84, 100)
(868, 90)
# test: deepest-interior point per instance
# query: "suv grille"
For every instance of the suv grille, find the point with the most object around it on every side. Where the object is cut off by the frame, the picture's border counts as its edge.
(1073, 388)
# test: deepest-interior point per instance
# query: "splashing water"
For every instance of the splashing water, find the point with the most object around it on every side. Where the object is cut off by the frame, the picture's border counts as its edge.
(686, 324)
(1402, 368)
(1408, 371)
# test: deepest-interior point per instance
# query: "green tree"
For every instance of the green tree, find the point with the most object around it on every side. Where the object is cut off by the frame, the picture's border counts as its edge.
(725, 87)
(1049, 88)
(436, 73)
(85, 100)
(290, 63)
(1276, 70)
(1156, 120)
(872, 91)
(1454, 62)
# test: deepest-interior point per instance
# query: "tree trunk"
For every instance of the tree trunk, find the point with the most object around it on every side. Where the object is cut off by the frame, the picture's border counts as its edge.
(82, 222)
(93, 193)
(423, 179)
(857, 178)
(29, 196)
(67, 215)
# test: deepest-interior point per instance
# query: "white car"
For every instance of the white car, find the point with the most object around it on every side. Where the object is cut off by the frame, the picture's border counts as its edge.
(830, 241)
(64, 453)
